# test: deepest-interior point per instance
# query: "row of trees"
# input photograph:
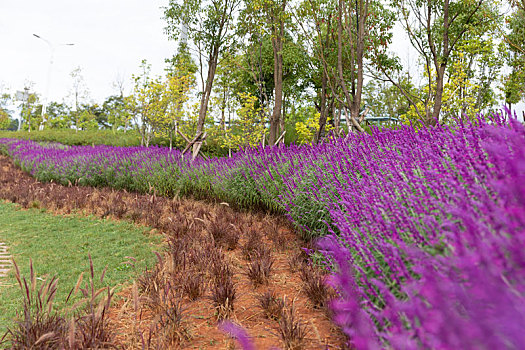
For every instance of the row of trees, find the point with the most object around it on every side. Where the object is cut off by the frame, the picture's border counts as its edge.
(79, 113)
(320, 53)
(246, 71)
(60, 115)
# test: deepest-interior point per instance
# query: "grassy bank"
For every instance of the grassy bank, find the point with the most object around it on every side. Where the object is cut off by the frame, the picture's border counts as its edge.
(60, 246)
(82, 137)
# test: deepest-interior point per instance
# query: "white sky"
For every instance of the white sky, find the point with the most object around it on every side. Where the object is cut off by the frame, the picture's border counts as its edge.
(111, 38)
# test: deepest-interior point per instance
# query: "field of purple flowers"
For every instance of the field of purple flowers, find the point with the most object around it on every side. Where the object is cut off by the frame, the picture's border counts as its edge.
(423, 230)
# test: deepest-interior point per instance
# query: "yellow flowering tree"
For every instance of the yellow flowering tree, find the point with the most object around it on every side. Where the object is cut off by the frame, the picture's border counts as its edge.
(171, 95)
(4, 119)
(157, 104)
(307, 129)
(141, 104)
(86, 120)
(248, 129)
(459, 93)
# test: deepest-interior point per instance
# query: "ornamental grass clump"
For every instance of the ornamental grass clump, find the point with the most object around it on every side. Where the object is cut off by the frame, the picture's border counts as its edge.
(260, 266)
(39, 326)
(291, 329)
(252, 244)
(85, 325)
(223, 289)
(171, 317)
(271, 304)
(194, 285)
(224, 234)
(315, 286)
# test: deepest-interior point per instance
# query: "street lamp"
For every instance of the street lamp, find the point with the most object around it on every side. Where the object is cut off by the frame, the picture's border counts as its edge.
(46, 96)
(24, 97)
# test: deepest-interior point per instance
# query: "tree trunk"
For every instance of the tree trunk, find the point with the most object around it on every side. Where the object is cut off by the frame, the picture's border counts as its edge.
(324, 85)
(349, 125)
(282, 124)
(207, 92)
(349, 100)
(278, 86)
(222, 124)
(76, 111)
(322, 112)
(229, 125)
(337, 120)
(212, 67)
(360, 47)
(439, 64)
(330, 112)
(28, 112)
(142, 131)
(434, 119)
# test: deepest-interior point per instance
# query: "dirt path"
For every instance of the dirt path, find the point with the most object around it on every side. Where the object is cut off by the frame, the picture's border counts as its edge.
(191, 227)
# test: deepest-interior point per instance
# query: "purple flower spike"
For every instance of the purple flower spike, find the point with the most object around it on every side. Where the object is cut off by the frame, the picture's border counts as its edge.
(238, 333)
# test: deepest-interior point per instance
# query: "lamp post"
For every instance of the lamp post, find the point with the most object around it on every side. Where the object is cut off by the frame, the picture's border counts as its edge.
(24, 97)
(46, 96)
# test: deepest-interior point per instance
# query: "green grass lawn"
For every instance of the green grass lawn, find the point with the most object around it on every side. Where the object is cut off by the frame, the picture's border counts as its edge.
(60, 245)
